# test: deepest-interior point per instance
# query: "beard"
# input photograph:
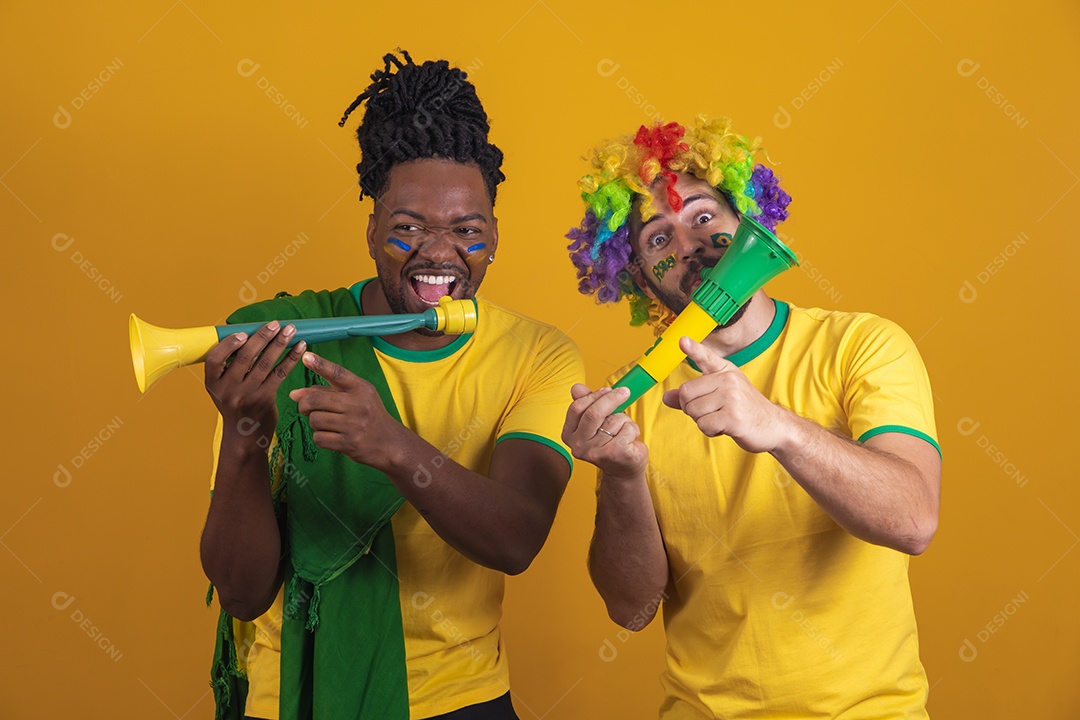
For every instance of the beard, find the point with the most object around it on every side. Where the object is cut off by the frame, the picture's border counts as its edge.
(395, 294)
(677, 301)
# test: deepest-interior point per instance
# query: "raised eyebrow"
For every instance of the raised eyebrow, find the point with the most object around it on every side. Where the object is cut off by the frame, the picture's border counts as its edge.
(456, 221)
(700, 196)
(409, 213)
(471, 216)
(656, 217)
(686, 202)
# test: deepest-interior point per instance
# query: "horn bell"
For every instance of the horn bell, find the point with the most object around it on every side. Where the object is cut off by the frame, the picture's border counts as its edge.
(156, 350)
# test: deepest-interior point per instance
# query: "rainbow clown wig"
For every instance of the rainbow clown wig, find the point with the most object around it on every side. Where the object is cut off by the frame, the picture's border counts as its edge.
(629, 166)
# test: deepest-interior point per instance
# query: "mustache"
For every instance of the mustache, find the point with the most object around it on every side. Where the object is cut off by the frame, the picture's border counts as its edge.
(693, 273)
(694, 266)
(448, 267)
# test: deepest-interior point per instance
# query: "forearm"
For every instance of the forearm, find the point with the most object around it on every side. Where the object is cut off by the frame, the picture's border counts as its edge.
(241, 543)
(627, 561)
(877, 497)
(487, 520)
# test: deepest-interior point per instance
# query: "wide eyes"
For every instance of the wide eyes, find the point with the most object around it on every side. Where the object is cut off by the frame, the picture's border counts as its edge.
(660, 239)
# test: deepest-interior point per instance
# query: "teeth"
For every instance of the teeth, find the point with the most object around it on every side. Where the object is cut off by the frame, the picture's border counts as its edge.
(434, 279)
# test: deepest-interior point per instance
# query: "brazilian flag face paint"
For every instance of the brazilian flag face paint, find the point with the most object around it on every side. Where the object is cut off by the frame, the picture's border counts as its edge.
(660, 269)
(720, 240)
(476, 247)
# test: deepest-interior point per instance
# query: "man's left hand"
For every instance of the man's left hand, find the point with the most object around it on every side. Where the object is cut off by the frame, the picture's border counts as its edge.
(348, 416)
(723, 402)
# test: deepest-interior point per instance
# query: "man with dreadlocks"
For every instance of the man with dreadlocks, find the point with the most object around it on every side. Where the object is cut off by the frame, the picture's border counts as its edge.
(368, 503)
(781, 598)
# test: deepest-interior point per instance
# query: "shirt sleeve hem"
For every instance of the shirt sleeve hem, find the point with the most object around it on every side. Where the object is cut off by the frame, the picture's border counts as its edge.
(899, 429)
(542, 440)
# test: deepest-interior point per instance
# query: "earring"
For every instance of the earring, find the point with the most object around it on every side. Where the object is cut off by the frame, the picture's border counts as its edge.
(491, 258)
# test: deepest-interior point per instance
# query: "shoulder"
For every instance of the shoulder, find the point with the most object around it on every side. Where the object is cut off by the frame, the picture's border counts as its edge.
(858, 342)
(307, 304)
(503, 324)
(845, 327)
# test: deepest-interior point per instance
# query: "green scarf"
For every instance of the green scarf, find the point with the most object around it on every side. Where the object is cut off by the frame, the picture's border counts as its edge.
(342, 645)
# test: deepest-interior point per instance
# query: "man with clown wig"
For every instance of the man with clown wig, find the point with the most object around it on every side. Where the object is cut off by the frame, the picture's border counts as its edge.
(769, 492)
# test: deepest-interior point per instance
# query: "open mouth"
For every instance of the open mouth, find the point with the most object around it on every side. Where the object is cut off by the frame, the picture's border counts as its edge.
(429, 287)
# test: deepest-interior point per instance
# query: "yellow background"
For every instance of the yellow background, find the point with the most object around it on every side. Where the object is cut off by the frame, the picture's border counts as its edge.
(170, 188)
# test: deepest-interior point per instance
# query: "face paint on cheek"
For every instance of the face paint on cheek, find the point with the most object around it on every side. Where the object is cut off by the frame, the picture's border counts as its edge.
(474, 248)
(720, 240)
(395, 247)
(660, 269)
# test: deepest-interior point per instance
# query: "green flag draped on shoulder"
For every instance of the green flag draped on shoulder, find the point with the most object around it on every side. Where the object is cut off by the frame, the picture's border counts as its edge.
(342, 646)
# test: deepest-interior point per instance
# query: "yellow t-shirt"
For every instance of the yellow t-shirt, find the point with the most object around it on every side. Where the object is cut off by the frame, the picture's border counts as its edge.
(772, 609)
(511, 378)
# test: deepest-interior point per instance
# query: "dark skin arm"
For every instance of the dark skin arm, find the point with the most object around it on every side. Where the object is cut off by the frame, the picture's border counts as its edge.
(241, 542)
(500, 522)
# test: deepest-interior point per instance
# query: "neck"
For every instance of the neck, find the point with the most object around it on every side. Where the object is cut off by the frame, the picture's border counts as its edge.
(373, 302)
(752, 325)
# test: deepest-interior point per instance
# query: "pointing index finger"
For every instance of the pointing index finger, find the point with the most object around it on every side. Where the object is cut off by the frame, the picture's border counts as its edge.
(336, 375)
(703, 356)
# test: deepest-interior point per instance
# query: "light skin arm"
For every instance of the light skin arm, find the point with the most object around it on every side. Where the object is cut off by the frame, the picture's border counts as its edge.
(885, 491)
(500, 522)
(627, 561)
(241, 542)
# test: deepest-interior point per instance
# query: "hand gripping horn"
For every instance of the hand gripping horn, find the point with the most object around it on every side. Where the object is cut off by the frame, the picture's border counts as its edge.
(156, 350)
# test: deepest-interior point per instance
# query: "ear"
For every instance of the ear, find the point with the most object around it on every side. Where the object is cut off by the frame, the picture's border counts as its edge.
(371, 225)
(494, 234)
(633, 266)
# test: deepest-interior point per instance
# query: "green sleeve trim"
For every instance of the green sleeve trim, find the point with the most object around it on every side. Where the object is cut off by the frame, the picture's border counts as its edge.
(540, 439)
(899, 429)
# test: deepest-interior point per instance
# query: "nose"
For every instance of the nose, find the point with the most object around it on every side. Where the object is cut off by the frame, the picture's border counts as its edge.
(686, 244)
(439, 245)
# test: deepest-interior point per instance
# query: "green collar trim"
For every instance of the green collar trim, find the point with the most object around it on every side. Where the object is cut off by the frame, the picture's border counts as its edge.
(416, 356)
(763, 343)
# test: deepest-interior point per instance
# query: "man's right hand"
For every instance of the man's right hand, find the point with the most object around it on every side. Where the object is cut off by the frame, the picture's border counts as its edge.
(243, 376)
(610, 442)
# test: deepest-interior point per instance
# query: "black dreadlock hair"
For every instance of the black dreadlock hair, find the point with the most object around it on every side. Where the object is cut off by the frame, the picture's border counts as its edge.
(421, 111)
